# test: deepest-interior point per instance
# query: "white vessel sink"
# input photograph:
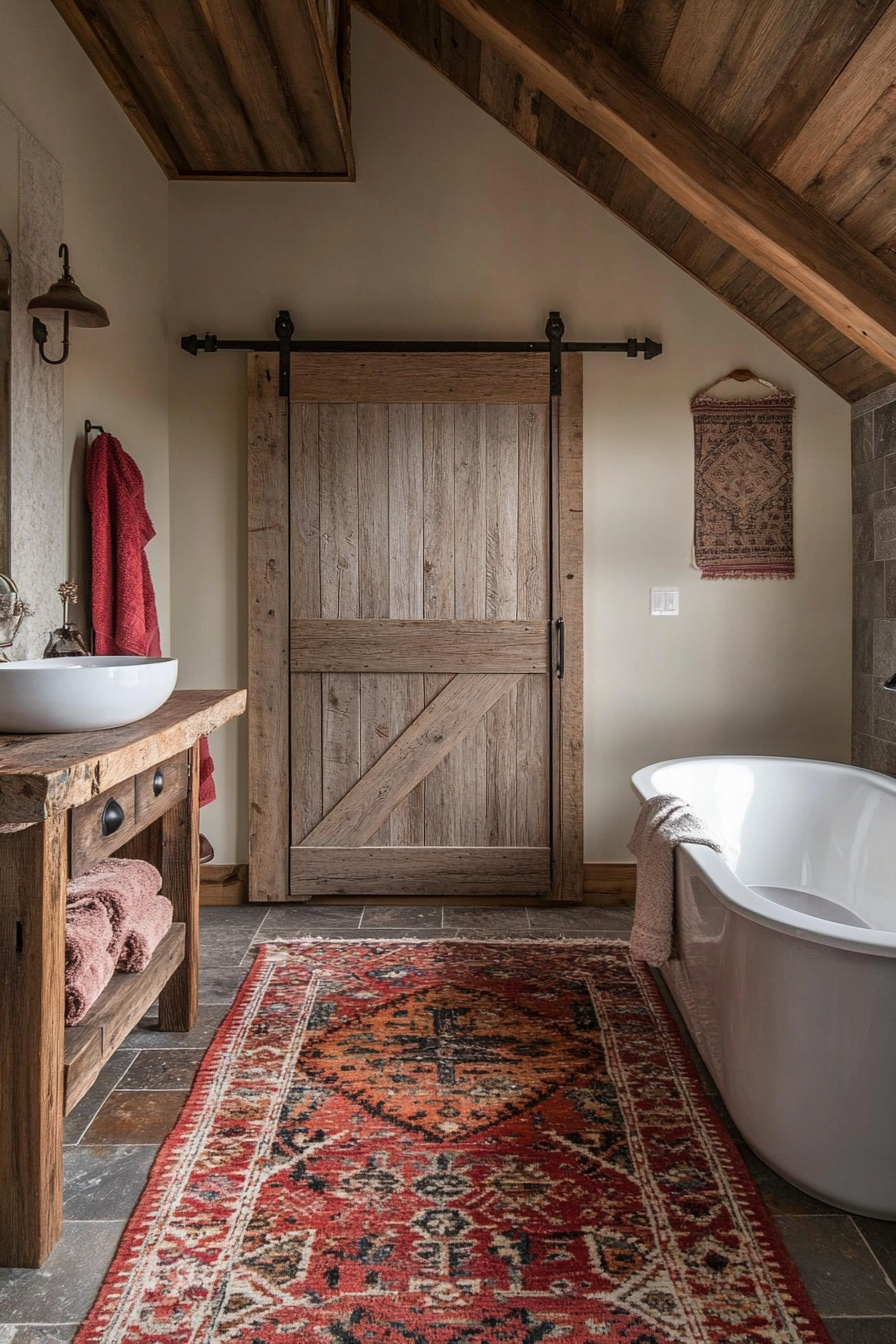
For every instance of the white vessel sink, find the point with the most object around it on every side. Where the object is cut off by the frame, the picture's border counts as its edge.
(78, 695)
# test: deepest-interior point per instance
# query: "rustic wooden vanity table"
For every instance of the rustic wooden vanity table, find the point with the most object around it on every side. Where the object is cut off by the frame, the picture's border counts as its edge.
(80, 797)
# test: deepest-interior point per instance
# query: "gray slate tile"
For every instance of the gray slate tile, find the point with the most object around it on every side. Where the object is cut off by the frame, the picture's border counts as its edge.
(867, 479)
(885, 429)
(862, 704)
(245, 917)
(862, 438)
(401, 916)
(297, 916)
(862, 537)
(36, 1334)
(162, 1071)
(884, 662)
(103, 1183)
(881, 1237)
(146, 1035)
(486, 919)
(77, 1121)
(223, 947)
(885, 534)
(861, 1329)
(64, 1288)
(219, 984)
(780, 1197)
(863, 626)
(869, 593)
(587, 919)
(841, 1274)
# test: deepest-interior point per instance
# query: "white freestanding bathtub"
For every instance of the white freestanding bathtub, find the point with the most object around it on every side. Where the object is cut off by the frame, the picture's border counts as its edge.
(786, 963)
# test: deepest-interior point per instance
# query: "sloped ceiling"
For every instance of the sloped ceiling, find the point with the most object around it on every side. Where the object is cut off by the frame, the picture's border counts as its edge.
(793, 98)
(806, 90)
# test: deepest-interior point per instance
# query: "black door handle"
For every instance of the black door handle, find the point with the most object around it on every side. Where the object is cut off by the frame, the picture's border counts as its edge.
(158, 782)
(112, 818)
(561, 648)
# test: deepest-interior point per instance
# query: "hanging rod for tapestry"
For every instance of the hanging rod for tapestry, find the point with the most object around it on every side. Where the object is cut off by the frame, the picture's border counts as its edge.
(92, 429)
(554, 346)
(739, 376)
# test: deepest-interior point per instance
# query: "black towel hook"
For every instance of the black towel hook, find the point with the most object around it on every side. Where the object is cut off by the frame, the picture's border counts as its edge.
(92, 429)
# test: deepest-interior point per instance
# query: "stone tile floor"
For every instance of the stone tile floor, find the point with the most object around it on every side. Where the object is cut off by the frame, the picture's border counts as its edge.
(848, 1263)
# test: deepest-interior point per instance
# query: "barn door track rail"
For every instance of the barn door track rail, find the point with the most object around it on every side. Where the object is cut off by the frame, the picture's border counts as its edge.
(554, 345)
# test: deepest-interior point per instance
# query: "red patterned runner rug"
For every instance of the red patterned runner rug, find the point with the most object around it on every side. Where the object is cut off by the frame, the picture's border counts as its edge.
(743, 480)
(450, 1143)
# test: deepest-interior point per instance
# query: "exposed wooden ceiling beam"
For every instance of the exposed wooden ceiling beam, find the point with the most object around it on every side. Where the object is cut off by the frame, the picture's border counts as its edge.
(717, 183)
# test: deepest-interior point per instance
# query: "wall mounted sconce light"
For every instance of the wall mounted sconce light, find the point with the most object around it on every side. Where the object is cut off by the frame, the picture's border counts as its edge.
(64, 299)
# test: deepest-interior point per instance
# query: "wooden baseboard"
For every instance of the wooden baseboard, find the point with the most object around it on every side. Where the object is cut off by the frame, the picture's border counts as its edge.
(609, 883)
(605, 884)
(224, 884)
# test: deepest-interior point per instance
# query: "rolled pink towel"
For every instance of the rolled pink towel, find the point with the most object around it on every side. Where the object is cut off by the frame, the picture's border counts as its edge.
(140, 917)
(147, 928)
(88, 962)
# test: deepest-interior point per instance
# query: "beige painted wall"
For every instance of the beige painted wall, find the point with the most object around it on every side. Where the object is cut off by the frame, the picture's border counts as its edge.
(116, 225)
(455, 230)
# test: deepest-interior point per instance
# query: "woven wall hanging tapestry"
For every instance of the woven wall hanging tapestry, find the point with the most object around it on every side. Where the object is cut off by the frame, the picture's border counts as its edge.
(743, 483)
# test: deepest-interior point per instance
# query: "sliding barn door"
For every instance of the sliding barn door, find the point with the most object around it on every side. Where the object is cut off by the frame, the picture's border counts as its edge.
(409, 698)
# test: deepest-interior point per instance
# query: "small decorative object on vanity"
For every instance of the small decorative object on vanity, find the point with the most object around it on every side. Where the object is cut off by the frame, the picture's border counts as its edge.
(67, 641)
(12, 613)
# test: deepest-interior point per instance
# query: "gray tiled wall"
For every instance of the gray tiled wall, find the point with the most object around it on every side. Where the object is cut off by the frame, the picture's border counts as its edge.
(874, 580)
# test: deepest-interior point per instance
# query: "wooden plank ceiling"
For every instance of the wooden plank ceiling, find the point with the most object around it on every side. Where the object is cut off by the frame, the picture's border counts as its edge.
(227, 88)
(806, 90)
(796, 98)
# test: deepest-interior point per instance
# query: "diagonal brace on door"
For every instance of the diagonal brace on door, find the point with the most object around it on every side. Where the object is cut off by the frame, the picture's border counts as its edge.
(444, 723)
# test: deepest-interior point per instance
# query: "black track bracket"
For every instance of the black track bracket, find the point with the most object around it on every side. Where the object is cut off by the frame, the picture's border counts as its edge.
(554, 331)
(283, 330)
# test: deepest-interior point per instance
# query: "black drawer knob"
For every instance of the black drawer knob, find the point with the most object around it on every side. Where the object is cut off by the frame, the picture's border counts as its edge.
(158, 783)
(113, 816)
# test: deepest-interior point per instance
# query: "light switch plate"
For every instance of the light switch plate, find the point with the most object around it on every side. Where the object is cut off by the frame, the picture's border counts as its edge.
(664, 601)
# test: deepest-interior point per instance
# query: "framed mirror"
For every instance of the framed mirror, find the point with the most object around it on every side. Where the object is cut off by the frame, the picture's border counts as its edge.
(12, 612)
(5, 396)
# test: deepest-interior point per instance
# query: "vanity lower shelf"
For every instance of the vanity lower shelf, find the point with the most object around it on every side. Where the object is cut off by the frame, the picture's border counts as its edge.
(68, 800)
(119, 1008)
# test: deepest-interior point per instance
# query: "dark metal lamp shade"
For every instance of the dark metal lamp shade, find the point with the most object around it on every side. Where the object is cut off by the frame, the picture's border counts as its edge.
(65, 297)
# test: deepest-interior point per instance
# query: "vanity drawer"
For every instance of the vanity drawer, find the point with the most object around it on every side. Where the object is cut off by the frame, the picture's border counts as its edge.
(160, 787)
(101, 826)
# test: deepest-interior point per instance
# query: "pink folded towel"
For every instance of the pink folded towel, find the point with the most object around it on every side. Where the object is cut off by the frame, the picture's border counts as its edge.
(88, 962)
(140, 917)
(663, 823)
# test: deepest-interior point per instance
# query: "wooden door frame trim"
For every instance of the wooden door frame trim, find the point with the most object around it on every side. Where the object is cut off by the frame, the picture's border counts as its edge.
(568, 737)
(269, 613)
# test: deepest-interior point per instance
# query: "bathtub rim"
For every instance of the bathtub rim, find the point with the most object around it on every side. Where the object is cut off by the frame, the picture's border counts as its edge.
(742, 900)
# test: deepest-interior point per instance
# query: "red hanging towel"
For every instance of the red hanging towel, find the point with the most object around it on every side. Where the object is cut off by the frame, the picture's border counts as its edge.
(123, 599)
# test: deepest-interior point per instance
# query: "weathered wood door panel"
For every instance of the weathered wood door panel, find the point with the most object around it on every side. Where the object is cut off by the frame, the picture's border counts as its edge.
(422, 593)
